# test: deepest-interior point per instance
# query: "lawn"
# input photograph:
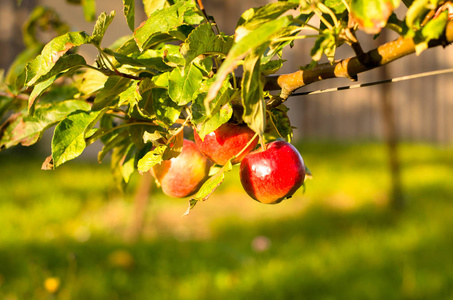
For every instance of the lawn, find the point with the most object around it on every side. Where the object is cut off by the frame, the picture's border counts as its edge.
(65, 231)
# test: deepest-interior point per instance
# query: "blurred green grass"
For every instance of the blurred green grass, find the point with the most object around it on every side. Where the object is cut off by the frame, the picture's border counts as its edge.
(338, 240)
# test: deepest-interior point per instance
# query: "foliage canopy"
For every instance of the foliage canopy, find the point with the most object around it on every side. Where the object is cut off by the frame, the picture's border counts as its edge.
(178, 69)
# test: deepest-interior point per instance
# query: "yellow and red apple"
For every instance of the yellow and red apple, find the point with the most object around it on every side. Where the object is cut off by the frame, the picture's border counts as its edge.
(183, 175)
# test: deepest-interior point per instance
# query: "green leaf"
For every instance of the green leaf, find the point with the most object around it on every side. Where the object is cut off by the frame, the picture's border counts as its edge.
(129, 13)
(51, 53)
(416, 13)
(202, 111)
(210, 186)
(435, 27)
(214, 122)
(271, 66)
(127, 47)
(326, 44)
(432, 30)
(131, 95)
(122, 163)
(165, 109)
(106, 123)
(89, 9)
(114, 140)
(252, 93)
(137, 134)
(279, 124)
(151, 158)
(114, 86)
(255, 17)
(161, 80)
(152, 5)
(205, 64)
(68, 141)
(184, 84)
(220, 110)
(91, 82)
(128, 163)
(193, 17)
(144, 108)
(172, 56)
(372, 15)
(202, 40)
(254, 39)
(152, 59)
(101, 26)
(164, 148)
(337, 6)
(160, 22)
(67, 62)
(27, 130)
(59, 93)
(37, 92)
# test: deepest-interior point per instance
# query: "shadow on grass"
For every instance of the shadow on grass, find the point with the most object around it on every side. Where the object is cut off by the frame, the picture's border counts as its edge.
(322, 254)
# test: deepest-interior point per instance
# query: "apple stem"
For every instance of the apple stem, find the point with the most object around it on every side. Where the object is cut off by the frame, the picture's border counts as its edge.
(263, 144)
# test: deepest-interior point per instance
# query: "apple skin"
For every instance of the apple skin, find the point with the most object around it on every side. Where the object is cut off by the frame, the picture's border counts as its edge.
(182, 176)
(271, 175)
(225, 142)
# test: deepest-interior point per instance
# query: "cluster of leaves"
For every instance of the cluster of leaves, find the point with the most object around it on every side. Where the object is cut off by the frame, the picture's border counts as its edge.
(176, 70)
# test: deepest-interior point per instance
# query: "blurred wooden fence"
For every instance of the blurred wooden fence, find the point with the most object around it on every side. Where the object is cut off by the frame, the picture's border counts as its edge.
(423, 107)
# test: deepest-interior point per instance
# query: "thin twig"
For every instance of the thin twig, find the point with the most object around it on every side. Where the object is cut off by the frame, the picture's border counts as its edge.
(23, 97)
(203, 10)
(109, 72)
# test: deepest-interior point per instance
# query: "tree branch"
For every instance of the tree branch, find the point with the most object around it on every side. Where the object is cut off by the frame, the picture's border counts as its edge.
(350, 67)
(11, 95)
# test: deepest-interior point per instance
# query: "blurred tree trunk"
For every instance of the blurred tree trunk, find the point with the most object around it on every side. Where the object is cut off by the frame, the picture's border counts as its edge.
(391, 138)
(141, 201)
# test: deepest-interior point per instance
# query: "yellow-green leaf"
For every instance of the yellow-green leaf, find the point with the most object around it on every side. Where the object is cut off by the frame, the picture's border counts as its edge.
(68, 141)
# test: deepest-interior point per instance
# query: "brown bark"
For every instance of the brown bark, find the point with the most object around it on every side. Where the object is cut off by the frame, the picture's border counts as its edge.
(351, 67)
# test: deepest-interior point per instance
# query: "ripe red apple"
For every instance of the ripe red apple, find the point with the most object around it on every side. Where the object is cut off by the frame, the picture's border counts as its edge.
(183, 175)
(225, 142)
(271, 175)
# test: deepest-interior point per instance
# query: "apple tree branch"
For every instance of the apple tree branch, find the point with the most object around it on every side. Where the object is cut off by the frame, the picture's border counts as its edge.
(349, 67)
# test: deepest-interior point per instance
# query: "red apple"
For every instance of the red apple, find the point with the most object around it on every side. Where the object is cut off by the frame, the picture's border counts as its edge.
(183, 175)
(225, 142)
(271, 175)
